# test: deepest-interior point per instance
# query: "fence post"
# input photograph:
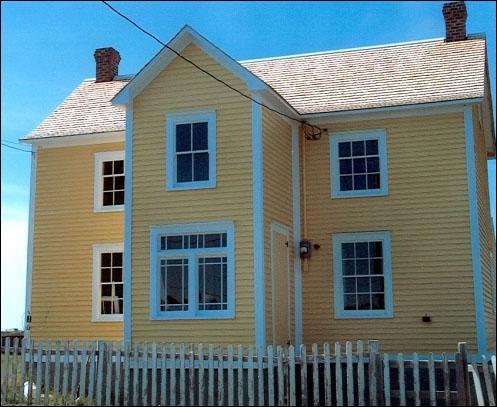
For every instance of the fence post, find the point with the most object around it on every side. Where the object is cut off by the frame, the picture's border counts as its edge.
(373, 349)
(463, 350)
(6, 356)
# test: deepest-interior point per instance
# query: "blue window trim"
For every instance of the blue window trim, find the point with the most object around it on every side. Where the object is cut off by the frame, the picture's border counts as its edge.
(156, 255)
(172, 120)
(375, 134)
(337, 240)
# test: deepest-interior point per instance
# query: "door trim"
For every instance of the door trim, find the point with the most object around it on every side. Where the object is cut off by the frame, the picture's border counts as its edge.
(278, 228)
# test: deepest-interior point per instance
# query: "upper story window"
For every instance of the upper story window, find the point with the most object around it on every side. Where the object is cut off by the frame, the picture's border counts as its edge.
(109, 181)
(107, 282)
(358, 164)
(362, 275)
(191, 150)
(192, 271)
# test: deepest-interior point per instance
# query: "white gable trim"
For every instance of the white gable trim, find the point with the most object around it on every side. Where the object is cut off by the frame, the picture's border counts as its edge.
(76, 139)
(161, 60)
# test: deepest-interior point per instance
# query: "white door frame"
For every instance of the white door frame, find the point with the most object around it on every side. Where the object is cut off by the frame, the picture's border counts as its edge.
(278, 228)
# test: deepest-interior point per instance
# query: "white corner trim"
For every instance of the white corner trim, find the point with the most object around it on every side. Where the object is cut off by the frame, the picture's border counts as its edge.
(29, 260)
(481, 337)
(98, 181)
(296, 234)
(172, 120)
(128, 197)
(258, 224)
(96, 315)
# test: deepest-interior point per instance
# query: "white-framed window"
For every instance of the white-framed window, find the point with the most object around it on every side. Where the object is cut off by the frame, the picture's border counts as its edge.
(362, 275)
(358, 164)
(109, 181)
(107, 282)
(191, 150)
(192, 271)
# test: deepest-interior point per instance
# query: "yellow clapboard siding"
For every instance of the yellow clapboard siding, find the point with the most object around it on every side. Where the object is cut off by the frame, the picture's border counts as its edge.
(487, 239)
(426, 212)
(65, 230)
(278, 205)
(181, 88)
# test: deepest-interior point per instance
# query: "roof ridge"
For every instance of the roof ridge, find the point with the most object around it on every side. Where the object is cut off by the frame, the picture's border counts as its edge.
(395, 44)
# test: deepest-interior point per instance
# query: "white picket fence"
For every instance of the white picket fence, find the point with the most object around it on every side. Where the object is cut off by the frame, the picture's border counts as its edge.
(107, 373)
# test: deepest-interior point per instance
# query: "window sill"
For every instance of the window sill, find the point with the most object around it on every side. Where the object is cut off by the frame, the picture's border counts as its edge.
(358, 194)
(184, 186)
(363, 314)
(113, 318)
(117, 208)
(178, 317)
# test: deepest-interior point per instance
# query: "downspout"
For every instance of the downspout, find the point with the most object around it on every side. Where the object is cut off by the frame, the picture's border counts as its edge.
(305, 264)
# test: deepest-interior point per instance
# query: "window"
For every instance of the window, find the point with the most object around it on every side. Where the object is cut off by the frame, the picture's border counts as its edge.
(192, 271)
(109, 181)
(358, 164)
(362, 275)
(191, 151)
(107, 282)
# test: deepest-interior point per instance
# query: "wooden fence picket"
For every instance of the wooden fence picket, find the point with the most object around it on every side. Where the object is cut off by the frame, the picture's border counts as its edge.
(135, 356)
(117, 380)
(182, 375)
(350, 374)
(327, 375)
(154, 374)
(220, 377)
(402, 383)
(446, 378)
(361, 384)
(172, 377)
(315, 375)
(291, 373)
(260, 378)
(13, 386)
(82, 375)
(338, 374)
(163, 372)
(488, 381)
(100, 372)
(91, 378)
(201, 372)
(477, 384)
(23, 370)
(74, 376)
(281, 377)
(210, 367)
(30, 371)
(303, 375)
(39, 377)
(250, 376)
(191, 373)
(6, 358)
(231, 383)
(386, 379)
(431, 380)
(108, 374)
(240, 376)
(144, 370)
(417, 397)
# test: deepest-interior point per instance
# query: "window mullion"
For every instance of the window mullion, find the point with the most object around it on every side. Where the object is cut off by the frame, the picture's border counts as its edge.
(192, 282)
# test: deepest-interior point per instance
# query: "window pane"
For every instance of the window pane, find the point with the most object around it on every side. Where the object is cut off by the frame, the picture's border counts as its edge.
(373, 181)
(108, 183)
(117, 259)
(184, 168)
(363, 285)
(358, 148)
(201, 167)
(105, 259)
(372, 147)
(363, 301)
(359, 165)
(119, 182)
(349, 302)
(345, 166)
(119, 198)
(346, 183)
(347, 250)
(200, 136)
(106, 307)
(212, 240)
(183, 137)
(193, 241)
(175, 285)
(361, 250)
(213, 283)
(106, 290)
(344, 149)
(375, 249)
(119, 167)
(173, 243)
(223, 239)
(119, 290)
(378, 301)
(107, 168)
(377, 285)
(108, 199)
(119, 309)
(117, 275)
(348, 267)
(359, 182)
(349, 285)
(376, 266)
(373, 164)
(105, 275)
(362, 267)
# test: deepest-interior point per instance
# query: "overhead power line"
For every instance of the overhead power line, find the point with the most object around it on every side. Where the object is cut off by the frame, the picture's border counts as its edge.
(16, 148)
(208, 73)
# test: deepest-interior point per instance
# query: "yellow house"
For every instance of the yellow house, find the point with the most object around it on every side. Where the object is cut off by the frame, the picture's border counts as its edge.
(332, 196)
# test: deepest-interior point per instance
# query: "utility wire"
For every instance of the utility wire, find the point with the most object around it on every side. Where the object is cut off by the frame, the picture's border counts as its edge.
(15, 148)
(207, 72)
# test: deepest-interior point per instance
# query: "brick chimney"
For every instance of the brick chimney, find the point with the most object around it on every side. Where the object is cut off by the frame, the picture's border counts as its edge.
(107, 64)
(455, 15)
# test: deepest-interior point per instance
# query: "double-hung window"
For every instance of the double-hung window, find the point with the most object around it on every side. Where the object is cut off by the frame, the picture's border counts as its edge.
(358, 164)
(191, 151)
(362, 275)
(192, 271)
(107, 282)
(109, 181)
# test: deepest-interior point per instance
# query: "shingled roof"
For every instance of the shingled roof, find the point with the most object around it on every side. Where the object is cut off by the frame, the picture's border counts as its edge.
(362, 78)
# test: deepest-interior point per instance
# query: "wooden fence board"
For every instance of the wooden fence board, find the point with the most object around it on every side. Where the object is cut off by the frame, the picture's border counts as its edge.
(488, 381)
(240, 376)
(303, 374)
(402, 383)
(386, 379)
(75, 369)
(291, 373)
(361, 385)
(338, 374)
(231, 382)
(13, 385)
(39, 377)
(82, 375)
(350, 374)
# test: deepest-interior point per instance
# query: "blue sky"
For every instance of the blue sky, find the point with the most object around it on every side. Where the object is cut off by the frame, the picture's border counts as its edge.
(47, 50)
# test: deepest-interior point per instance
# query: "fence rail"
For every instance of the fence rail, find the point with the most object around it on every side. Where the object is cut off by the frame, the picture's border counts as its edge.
(107, 373)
